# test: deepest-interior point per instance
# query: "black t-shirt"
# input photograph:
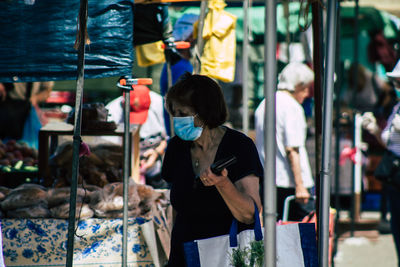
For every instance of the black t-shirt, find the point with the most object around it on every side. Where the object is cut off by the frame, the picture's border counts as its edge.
(201, 211)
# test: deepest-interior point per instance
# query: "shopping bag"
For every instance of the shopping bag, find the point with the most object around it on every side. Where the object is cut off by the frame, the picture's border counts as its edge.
(296, 245)
(217, 251)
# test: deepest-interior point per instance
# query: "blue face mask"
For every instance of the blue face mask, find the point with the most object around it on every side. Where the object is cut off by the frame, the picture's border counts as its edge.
(184, 128)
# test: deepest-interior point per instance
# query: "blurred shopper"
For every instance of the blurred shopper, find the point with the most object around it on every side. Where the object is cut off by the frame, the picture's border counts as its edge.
(147, 110)
(390, 137)
(364, 95)
(293, 171)
(183, 31)
(205, 203)
(19, 110)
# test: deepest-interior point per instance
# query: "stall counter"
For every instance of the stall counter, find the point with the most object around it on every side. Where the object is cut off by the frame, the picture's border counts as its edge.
(98, 242)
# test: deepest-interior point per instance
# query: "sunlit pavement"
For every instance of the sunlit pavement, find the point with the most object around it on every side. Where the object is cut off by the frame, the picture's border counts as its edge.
(365, 246)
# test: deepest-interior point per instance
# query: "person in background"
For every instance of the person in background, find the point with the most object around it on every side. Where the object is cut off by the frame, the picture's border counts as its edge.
(183, 30)
(390, 138)
(206, 203)
(364, 95)
(147, 110)
(293, 171)
(19, 102)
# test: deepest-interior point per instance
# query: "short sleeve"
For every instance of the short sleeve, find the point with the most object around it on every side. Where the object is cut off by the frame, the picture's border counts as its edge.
(248, 162)
(168, 161)
(294, 126)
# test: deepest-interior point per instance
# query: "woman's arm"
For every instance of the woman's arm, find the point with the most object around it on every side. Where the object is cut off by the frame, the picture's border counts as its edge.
(301, 193)
(239, 197)
(151, 155)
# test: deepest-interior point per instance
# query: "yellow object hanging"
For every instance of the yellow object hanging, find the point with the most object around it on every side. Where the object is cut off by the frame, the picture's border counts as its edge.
(150, 54)
(218, 58)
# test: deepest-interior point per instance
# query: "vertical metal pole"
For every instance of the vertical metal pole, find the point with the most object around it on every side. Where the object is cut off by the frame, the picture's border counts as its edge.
(126, 145)
(357, 165)
(200, 41)
(169, 84)
(318, 62)
(337, 126)
(77, 131)
(338, 115)
(245, 66)
(269, 134)
(355, 199)
(324, 198)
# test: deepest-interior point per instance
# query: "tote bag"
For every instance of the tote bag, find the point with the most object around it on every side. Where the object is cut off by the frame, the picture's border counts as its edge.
(296, 246)
(217, 251)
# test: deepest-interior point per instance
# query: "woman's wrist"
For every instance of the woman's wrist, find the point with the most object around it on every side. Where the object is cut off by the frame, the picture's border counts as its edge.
(223, 182)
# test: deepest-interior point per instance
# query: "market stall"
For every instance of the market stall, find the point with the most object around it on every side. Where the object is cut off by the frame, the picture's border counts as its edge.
(38, 45)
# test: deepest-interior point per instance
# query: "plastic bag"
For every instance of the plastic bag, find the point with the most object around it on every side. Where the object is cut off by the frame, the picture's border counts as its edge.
(32, 127)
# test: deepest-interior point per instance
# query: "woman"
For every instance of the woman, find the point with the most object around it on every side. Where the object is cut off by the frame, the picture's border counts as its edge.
(206, 205)
(390, 138)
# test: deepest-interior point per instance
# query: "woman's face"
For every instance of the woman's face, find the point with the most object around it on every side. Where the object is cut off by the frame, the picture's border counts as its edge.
(179, 110)
(301, 92)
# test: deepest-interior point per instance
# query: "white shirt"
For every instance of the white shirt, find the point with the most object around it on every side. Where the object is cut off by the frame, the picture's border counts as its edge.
(291, 131)
(155, 119)
(153, 125)
(389, 132)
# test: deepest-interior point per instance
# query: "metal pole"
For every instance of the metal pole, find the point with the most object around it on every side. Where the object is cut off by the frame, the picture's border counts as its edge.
(126, 145)
(337, 118)
(318, 62)
(355, 211)
(169, 84)
(338, 87)
(245, 66)
(357, 165)
(324, 198)
(200, 41)
(77, 131)
(269, 134)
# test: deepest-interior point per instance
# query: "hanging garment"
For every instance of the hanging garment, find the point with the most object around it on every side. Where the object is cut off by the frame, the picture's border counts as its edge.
(218, 58)
(150, 54)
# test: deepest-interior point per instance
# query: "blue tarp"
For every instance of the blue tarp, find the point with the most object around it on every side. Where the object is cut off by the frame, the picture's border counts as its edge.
(37, 39)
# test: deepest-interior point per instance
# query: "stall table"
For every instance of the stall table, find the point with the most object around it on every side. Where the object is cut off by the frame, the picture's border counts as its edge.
(98, 242)
(52, 131)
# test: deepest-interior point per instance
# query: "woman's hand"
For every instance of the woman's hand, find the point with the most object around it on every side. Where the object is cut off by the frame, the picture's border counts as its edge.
(302, 194)
(208, 178)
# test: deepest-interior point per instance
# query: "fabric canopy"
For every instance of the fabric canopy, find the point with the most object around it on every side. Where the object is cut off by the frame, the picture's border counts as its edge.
(370, 20)
(37, 39)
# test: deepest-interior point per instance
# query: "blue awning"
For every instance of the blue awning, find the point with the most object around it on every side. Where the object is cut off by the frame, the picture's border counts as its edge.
(37, 39)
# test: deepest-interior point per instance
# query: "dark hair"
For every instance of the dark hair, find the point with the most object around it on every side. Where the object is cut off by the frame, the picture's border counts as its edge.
(202, 94)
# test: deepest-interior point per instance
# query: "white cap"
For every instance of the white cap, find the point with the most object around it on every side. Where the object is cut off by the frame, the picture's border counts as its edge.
(293, 74)
(395, 73)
